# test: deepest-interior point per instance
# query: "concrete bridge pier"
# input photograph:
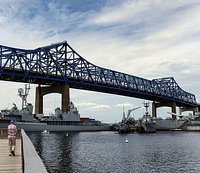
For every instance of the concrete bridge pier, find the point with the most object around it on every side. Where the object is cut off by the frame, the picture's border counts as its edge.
(154, 112)
(173, 106)
(41, 91)
(156, 105)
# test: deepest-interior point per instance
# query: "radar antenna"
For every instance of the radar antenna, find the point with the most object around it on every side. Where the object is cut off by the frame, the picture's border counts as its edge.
(23, 93)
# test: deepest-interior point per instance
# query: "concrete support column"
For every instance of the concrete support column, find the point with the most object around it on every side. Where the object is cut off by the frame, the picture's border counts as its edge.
(38, 101)
(154, 113)
(173, 110)
(65, 98)
(41, 91)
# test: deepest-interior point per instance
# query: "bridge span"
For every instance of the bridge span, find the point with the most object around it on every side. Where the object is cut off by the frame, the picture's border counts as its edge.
(61, 67)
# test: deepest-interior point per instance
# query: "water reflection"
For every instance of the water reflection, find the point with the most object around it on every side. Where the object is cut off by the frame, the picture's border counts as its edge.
(104, 152)
(54, 149)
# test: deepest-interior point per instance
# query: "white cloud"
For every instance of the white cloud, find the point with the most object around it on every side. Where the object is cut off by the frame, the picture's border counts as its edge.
(93, 106)
(126, 104)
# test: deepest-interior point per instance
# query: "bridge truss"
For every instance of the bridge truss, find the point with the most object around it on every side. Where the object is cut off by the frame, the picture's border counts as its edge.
(61, 64)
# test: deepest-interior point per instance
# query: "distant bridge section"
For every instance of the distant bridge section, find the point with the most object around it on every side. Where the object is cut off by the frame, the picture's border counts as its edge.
(59, 64)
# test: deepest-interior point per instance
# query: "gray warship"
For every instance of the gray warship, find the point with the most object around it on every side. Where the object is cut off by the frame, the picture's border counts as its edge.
(67, 121)
(146, 124)
(191, 122)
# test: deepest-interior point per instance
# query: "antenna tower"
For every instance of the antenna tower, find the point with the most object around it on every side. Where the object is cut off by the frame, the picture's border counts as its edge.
(23, 93)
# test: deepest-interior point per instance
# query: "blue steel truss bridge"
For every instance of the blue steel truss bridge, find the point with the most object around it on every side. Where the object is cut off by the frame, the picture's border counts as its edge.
(59, 64)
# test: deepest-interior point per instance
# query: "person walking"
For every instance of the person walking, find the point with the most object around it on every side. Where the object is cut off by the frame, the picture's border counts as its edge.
(12, 132)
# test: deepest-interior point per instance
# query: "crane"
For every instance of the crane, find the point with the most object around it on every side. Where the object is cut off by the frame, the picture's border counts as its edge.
(125, 118)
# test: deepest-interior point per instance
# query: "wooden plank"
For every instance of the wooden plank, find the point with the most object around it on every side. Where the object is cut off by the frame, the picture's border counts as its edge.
(10, 164)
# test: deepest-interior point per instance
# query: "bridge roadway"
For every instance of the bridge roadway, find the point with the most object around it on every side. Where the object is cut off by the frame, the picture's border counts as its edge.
(26, 159)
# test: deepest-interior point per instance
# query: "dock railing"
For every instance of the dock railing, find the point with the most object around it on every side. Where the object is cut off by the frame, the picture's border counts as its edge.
(32, 162)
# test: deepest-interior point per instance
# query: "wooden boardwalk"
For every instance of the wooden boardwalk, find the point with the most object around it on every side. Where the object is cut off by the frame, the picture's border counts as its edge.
(10, 164)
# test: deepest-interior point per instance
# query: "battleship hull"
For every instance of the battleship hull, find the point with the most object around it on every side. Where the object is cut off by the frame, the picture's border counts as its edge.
(149, 128)
(39, 127)
(166, 125)
(146, 128)
(192, 126)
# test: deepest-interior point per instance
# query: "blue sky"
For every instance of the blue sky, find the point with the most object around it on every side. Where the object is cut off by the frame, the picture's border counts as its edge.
(149, 39)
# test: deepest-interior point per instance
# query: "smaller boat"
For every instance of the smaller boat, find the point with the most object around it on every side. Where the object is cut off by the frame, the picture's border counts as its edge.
(45, 132)
(126, 141)
(127, 125)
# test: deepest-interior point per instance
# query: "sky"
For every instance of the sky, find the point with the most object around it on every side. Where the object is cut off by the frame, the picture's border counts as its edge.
(149, 39)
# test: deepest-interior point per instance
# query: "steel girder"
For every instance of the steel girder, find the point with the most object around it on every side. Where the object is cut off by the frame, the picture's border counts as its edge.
(59, 63)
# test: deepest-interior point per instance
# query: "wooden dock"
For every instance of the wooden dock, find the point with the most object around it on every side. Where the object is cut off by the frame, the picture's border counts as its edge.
(26, 159)
(10, 164)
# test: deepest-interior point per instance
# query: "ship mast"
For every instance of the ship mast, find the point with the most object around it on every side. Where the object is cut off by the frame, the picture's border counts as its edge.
(23, 93)
(146, 105)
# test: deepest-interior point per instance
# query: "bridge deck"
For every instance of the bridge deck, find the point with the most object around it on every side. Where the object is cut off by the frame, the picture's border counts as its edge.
(9, 164)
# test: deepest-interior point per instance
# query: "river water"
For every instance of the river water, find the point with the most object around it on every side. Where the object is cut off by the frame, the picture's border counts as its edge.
(107, 152)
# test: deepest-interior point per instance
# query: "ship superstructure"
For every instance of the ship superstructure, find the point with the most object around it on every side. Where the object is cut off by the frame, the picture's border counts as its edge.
(25, 114)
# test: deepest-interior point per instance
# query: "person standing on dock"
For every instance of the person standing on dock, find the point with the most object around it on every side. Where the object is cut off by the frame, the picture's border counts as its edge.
(12, 132)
